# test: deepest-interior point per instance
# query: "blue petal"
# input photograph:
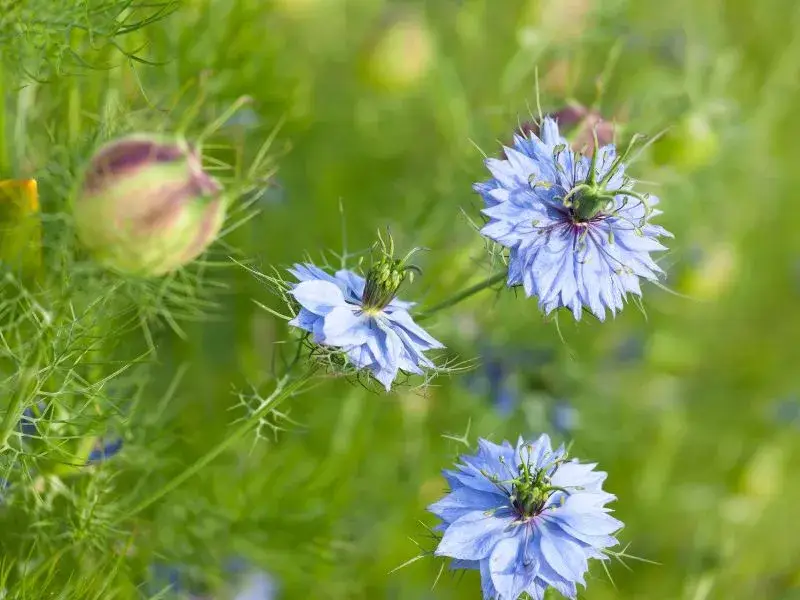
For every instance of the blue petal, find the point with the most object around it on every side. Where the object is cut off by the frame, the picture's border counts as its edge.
(353, 285)
(475, 534)
(343, 327)
(305, 319)
(550, 134)
(309, 272)
(417, 335)
(319, 297)
(465, 500)
(513, 569)
(562, 553)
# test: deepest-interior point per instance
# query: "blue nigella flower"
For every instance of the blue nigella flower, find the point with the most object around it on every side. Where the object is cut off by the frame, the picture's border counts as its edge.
(363, 318)
(526, 517)
(579, 235)
(104, 451)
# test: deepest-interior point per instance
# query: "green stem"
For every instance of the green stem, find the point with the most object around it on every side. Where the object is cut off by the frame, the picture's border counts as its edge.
(463, 295)
(284, 388)
(5, 166)
(27, 384)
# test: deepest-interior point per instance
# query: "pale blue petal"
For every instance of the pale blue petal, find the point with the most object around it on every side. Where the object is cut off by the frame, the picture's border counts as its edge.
(317, 296)
(475, 534)
(345, 328)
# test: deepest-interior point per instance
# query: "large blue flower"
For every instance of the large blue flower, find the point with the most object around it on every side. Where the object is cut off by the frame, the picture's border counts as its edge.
(526, 517)
(364, 319)
(579, 234)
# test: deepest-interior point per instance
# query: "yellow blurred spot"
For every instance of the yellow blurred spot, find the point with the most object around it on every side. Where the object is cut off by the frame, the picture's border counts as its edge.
(303, 8)
(556, 80)
(565, 19)
(711, 278)
(402, 56)
(20, 228)
(763, 477)
(432, 490)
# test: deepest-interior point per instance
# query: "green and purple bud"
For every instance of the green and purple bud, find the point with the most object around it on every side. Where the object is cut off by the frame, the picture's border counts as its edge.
(146, 207)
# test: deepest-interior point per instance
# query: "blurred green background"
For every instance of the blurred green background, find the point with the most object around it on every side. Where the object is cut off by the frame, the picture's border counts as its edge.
(386, 108)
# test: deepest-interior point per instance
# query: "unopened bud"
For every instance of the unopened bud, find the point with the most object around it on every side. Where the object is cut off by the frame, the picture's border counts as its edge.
(146, 207)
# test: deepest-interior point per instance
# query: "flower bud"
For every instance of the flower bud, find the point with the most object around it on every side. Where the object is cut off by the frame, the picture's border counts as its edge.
(146, 207)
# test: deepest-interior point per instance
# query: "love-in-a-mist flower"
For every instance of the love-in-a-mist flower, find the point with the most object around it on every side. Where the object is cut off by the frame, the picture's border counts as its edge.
(527, 517)
(363, 317)
(146, 206)
(579, 235)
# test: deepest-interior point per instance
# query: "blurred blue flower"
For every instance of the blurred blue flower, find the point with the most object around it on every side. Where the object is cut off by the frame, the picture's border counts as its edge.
(27, 423)
(500, 367)
(630, 349)
(527, 518)
(163, 577)
(104, 450)
(564, 417)
(579, 235)
(787, 411)
(257, 586)
(494, 378)
(363, 318)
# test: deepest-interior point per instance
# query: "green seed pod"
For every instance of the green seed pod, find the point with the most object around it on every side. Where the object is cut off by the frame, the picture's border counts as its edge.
(146, 207)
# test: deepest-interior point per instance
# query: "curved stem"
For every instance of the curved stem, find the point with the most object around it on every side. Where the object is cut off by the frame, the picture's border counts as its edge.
(463, 295)
(284, 388)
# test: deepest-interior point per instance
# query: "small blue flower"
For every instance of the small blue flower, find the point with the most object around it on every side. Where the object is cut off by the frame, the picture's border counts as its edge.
(578, 235)
(786, 411)
(500, 370)
(494, 378)
(104, 451)
(28, 422)
(526, 517)
(257, 586)
(564, 417)
(363, 318)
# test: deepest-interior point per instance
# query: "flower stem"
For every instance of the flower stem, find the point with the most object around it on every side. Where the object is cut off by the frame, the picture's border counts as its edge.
(284, 388)
(463, 295)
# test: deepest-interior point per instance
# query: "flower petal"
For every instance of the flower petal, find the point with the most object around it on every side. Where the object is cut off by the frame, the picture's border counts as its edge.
(475, 534)
(345, 328)
(317, 296)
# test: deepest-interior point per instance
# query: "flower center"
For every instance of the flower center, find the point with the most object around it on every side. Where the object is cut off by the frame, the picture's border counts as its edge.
(383, 280)
(385, 277)
(531, 490)
(587, 204)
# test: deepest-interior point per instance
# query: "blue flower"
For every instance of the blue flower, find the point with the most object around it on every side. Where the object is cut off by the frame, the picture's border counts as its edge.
(578, 235)
(30, 416)
(526, 517)
(257, 586)
(564, 417)
(500, 370)
(363, 318)
(104, 450)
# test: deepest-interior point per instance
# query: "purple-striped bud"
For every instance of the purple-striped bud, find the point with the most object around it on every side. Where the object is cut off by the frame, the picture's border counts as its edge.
(146, 206)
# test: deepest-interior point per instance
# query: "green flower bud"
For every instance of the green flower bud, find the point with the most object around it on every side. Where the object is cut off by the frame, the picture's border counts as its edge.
(146, 207)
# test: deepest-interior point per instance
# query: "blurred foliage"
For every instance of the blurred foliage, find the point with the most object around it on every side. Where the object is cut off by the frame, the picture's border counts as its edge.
(384, 106)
